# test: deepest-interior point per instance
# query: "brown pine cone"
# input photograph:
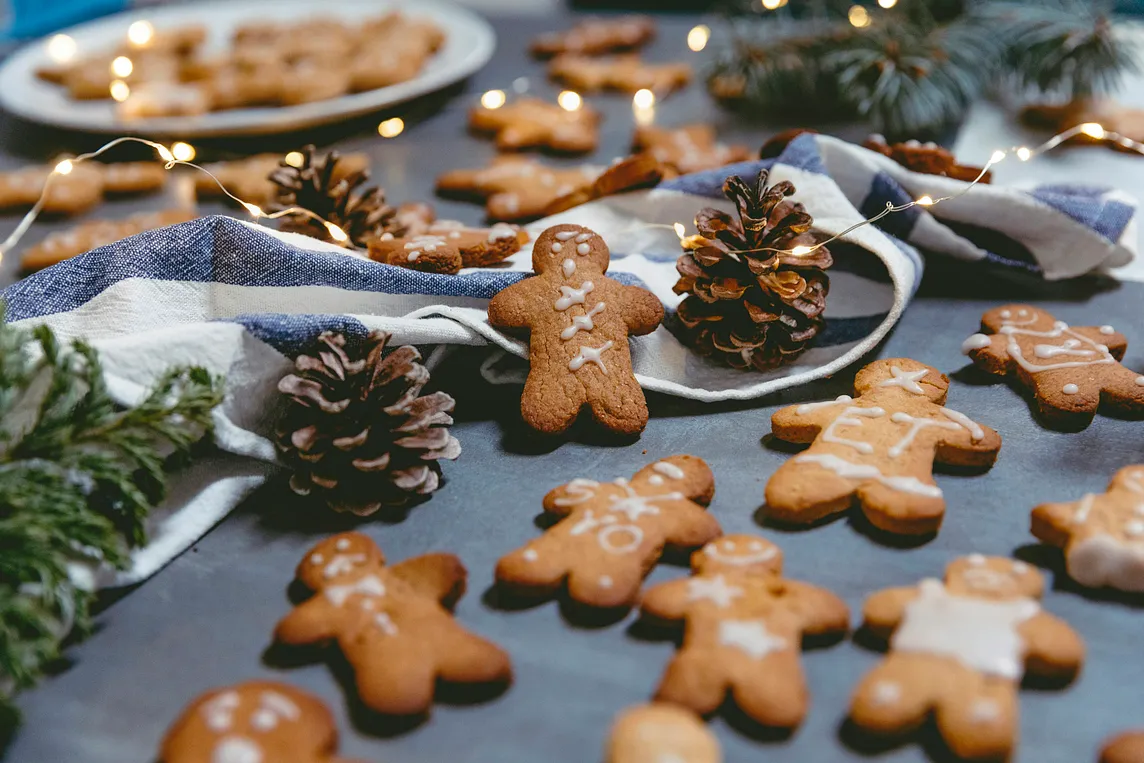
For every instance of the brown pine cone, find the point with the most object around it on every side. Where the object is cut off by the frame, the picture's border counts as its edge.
(357, 430)
(747, 306)
(317, 186)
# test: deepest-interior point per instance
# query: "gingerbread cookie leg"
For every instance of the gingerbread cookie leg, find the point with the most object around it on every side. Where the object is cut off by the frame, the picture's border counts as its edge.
(622, 408)
(917, 513)
(690, 681)
(794, 496)
(981, 724)
(396, 681)
(468, 658)
(889, 701)
(547, 410)
(772, 691)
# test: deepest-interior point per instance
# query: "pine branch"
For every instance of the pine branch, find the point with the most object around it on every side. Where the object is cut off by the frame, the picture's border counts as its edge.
(78, 476)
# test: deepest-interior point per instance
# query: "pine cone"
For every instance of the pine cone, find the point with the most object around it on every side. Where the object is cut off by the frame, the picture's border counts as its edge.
(318, 187)
(748, 307)
(358, 432)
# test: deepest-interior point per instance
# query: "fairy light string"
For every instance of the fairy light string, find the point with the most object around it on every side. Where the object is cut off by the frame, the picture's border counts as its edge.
(170, 161)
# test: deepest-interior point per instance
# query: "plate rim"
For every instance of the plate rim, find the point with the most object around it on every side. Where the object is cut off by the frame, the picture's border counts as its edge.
(19, 68)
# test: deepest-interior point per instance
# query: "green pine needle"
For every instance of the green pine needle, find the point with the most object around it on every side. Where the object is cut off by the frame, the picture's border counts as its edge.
(78, 475)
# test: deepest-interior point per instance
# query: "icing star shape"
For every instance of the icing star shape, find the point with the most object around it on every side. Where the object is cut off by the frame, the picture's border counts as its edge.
(907, 380)
(750, 636)
(714, 589)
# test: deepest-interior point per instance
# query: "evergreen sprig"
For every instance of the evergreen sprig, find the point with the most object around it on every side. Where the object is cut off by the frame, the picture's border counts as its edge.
(917, 66)
(78, 475)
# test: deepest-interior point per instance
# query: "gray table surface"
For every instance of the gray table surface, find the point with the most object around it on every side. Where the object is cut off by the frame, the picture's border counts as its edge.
(206, 619)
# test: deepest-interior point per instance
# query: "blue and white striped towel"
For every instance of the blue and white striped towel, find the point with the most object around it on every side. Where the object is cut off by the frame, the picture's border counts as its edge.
(242, 300)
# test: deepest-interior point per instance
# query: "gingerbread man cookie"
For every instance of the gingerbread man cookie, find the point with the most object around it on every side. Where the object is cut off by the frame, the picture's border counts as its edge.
(744, 630)
(625, 74)
(428, 253)
(688, 149)
(958, 651)
(533, 123)
(926, 158)
(517, 188)
(253, 722)
(578, 322)
(481, 247)
(70, 194)
(613, 533)
(1124, 748)
(390, 622)
(1071, 371)
(661, 733)
(879, 447)
(84, 237)
(1102, 535)
(593, 37)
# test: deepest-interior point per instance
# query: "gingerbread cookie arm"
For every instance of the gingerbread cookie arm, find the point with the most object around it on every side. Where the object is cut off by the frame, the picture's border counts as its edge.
(1052, 648)
(971, 444)
(821, 611)
(1116, 342)
(510, 308)
(802, 423)
(665, 602)
(1053, 522)
(687, 475)
(989, 352)
(689, 526)
(884, 610)
(464, 657)
(643, 311)
(440, 576)
(311, 622)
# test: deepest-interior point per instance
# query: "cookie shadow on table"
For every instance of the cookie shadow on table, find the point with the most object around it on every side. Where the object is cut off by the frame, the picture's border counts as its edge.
(1050, 559)
(870, 745)
(854, 517)
(501, 598)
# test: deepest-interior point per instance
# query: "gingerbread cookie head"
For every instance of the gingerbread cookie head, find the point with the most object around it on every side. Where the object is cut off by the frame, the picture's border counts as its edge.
(338, 560)
(909, 376)
(738, 555)
(568, 247)
(252, 722)
(993, 577)
(661, 733)
(1026, 317)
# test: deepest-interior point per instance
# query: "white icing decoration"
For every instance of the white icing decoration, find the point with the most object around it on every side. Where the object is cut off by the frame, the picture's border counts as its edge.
(975, 431)
(985, 579)
(1020, 568)
(590, 355)
(1080, 516)
(633, 505)
(564, 235)
(974, 342)
(511, 202)
(655, 479)
(1134, 528)
(263, 720)
(343, 544)
(218, 712)
(750, 637)
(916, 425)
(739, 560)
(1107, 330)
(582, 322)
(585, 236)
(342, 563)
(280, 705)
(316, 559)
(849, 470)
(578, 491)
(979, 633)
(1046, 350)
(886, 693)
(1140, 381)
(385, 624)
(234, 749)
(606, 581)
(1102, 560)
(1006, 314)
(907, 380)
(530, 555)
(499, 231)
(612, 546)
(570, 296)
(368, 585)
(975, 559)
(1070, 389)
(557, 247)
(984, 711)
(668, 469)
(847, 419)
(421, 244)
(569, 267)
(713, 589)
(806, 408)
(583, 249)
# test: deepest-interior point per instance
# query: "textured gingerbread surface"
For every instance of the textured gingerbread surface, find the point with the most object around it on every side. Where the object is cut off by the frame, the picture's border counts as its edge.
(877, 448)
(391, 623)
(612, 533)
(1070, 371)
(958, 650)
(744, 629)
(578, 321)
(517, 188)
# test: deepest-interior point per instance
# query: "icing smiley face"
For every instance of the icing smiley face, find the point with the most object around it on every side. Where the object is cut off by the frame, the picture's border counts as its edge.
(739, 554)
(338, 560)
(993, 577)
(571, 249)
(252, 722)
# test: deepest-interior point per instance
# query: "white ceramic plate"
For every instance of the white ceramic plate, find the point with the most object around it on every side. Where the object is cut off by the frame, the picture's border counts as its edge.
(469, 44)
